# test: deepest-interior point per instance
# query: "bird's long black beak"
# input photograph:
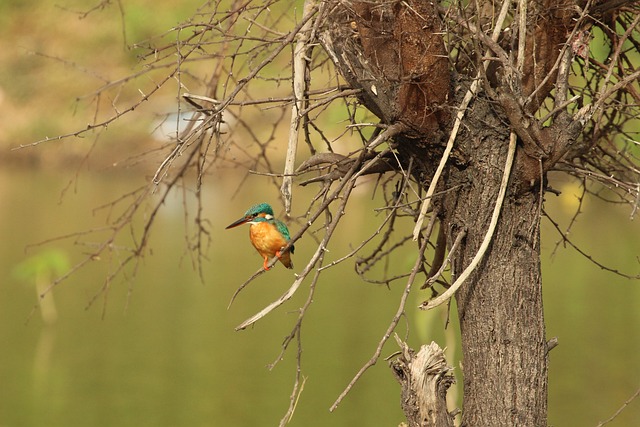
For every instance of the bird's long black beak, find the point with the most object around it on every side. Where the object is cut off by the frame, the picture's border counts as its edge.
(241, 221)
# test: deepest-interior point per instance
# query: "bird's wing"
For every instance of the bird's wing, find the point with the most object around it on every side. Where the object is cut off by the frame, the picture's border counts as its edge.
(282, 228)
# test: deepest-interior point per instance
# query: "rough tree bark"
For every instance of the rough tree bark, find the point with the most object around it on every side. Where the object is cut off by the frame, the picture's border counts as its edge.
(500, 305)
(394, 52)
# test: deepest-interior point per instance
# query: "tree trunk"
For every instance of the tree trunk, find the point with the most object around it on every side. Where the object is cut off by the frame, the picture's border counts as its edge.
(502, 325)
(394, 53)
(500, 304)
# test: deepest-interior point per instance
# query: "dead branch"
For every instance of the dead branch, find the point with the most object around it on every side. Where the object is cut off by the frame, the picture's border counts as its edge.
(347, 185)
(374, 162)
(296, 332)
(411, 93)
(475, 85)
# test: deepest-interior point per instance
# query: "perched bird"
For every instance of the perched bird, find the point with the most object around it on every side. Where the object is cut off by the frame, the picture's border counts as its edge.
(267, 234)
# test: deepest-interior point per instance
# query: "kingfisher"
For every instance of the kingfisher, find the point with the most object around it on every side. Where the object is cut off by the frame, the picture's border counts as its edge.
(268, 235)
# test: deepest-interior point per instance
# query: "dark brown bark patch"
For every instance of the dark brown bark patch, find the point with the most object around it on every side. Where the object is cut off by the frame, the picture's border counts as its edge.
(552, 20)
(394, 51)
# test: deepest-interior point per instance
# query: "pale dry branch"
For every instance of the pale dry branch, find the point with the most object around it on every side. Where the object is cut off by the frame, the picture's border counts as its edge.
(349, 176)
(236, 60)
(288, 294)
(301, 53)
(347, 185)
(522, 34)
(444, 297)
(445, 157)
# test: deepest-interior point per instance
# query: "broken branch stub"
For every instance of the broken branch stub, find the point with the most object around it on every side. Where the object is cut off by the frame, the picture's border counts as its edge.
(425, 379)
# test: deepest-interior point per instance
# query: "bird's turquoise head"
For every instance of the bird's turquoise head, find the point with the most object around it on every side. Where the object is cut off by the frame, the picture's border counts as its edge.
(276, 231)
(261, 208)
(256, 213)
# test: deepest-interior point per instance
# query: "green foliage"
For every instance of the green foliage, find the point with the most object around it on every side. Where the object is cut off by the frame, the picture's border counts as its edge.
(48, 263)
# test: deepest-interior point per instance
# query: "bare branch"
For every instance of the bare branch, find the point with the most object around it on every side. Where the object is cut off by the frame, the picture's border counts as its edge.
(445, 156)
(433, 278)
(348, 184)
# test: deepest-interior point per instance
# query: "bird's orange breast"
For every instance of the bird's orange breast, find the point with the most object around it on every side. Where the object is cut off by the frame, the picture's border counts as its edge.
(266, 238)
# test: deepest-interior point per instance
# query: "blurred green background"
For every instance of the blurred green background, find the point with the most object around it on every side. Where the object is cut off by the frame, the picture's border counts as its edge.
(160, 349)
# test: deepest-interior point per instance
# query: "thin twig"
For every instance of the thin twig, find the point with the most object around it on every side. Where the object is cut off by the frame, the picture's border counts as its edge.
(586, 255)
(390, 217)
(619, 411)
(583, 14)
(287, 295)
(431, 280)
(296, 332)
(249, 280)
(348, 181)
(390, 329)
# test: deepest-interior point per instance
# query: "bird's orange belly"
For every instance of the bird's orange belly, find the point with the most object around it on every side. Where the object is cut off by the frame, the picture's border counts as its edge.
(266, 239)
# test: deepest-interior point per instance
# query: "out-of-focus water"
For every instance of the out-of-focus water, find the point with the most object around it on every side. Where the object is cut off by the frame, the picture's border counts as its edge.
(161, 350)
